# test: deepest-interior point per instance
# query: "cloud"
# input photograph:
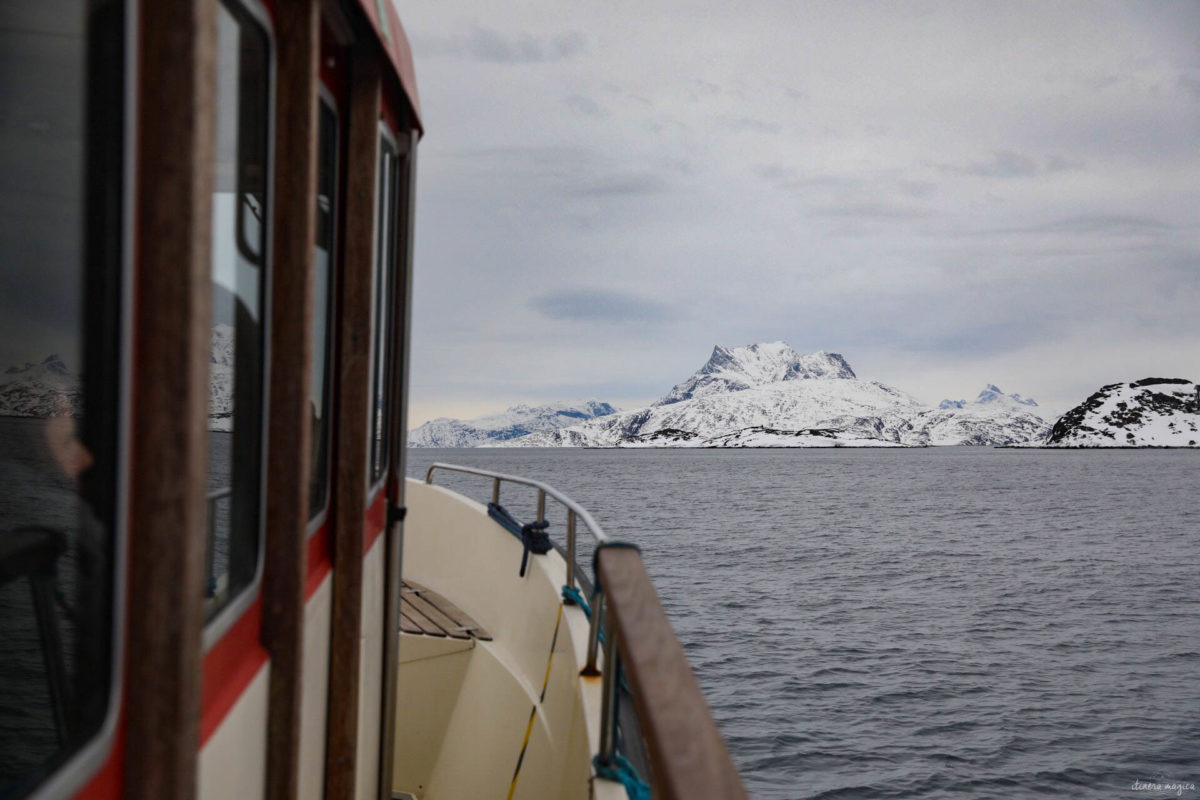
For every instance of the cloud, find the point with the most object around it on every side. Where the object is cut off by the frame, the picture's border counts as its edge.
(1002, 164)
(1010, 164)
(871, 211)
(584, 105)
(1097, 224)
(823, 182)
(618, 185)
(752, 125)
(600, 305)
(1190, 84)
(481, 43)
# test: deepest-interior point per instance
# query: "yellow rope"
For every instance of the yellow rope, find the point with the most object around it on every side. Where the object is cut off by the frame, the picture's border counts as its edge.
(533, 711)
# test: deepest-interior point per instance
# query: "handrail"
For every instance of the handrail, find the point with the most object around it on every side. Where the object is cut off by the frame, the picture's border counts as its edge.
(671, 709)
(574, 510)
(687, 753)
(214, 496)
(549, 491)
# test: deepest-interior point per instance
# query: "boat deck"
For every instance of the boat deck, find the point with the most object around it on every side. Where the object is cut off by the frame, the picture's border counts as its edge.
(424, 612)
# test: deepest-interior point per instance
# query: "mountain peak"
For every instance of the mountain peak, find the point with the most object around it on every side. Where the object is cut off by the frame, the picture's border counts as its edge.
(733, 369)
(991, 394)
(518, 420)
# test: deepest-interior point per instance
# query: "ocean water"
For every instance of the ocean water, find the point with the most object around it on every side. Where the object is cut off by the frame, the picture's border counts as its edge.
(934, 623)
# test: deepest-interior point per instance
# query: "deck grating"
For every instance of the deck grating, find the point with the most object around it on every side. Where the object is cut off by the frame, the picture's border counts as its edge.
(425, 612)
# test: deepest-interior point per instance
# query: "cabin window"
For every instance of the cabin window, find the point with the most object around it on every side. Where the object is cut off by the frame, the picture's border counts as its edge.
(381, 314)
(239, 263)
(320, 388)
(61, 133)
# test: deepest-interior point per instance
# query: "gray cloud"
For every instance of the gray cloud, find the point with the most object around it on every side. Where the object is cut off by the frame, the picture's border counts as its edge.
(481, 43)
(584, 105)
(599, 305)
(1002, 164)
(1010, 164)
(752, 125)
(618, 185)
(1190, 84)
(1097, 224)
(871, 211)
(794, 171)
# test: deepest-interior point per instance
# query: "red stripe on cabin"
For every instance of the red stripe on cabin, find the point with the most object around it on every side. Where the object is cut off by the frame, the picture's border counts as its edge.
(319, 560)
(229, 667)
(107, 781)
(373, 524)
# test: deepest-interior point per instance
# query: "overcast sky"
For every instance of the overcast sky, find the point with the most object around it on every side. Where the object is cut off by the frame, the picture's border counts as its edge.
(948, 194)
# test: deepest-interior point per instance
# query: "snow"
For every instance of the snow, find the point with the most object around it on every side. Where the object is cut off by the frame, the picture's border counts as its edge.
(992, 395)
(732, 369)
(792, 396)
(1153, 412)
(43, 389)
(517, 421)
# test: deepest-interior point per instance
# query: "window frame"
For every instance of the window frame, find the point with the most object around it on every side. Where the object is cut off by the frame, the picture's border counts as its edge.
(384, 266)
(86, 761)
(237, 605)
(326, 98)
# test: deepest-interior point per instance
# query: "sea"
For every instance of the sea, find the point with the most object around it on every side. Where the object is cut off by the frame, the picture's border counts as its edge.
(919, 623)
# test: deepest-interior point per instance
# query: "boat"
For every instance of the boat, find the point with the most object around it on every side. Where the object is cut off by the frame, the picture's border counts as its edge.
(215, 579)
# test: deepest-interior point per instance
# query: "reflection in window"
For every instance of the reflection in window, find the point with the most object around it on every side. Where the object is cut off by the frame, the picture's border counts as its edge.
(385, 257)
(60, 203)
(238, 263)
(320, 386)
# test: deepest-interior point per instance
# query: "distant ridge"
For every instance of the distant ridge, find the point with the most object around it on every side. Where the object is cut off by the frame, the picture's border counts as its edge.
(769, 395)
(517, 421)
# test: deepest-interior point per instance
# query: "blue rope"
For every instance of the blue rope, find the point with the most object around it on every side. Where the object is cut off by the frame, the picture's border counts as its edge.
(621, 771)
(572, 595)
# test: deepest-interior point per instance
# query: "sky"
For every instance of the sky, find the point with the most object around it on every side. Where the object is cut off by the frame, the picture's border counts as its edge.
(948, 194)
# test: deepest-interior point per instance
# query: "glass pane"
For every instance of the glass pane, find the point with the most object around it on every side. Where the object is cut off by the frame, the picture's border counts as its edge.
(59, 284)
(319, 388)
(382, 312)
(238, 261)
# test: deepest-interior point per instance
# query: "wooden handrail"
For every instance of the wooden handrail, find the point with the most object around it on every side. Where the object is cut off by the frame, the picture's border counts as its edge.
(687, 753)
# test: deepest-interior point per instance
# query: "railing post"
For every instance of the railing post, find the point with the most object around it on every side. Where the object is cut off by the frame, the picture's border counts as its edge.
(570, 548)
(496, 491)
(210, 558)
(594, 634)
(608, 702)
(541, 505)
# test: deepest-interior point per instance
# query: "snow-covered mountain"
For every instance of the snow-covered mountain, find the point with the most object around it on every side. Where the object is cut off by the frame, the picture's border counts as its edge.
(1152, 412)
(49, 389)
(732, 369)
(220, 379)
(44, 389)
(496, 428)
(768, 395)
(992, 395)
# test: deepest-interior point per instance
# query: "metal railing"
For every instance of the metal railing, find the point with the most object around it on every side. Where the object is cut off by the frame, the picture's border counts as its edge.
(650, 657)
(212, 582)
(574, 512)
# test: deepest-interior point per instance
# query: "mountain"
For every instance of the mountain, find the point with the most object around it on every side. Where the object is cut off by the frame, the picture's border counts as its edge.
(44, 389)
(220, 378)
(1152, 412)
(992, 395)
(496, 428)
(768, 395)
(732, 369)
